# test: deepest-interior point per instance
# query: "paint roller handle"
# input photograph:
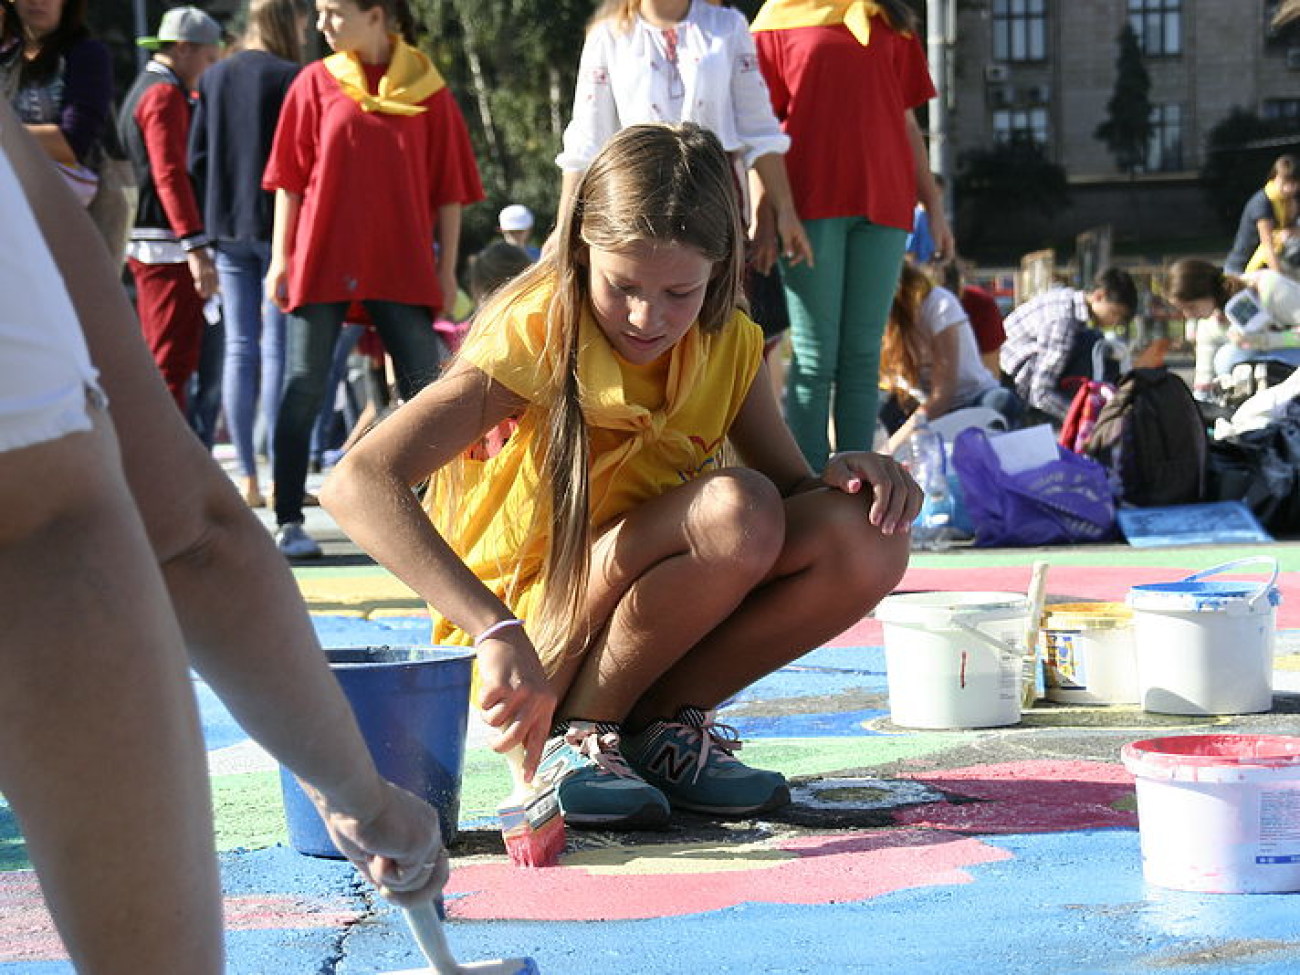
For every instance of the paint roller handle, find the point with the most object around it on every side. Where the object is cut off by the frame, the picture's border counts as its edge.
(426, 928)
(1037, 594)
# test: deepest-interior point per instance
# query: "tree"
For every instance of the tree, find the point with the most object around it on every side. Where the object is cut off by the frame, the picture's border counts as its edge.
(1127, 129)
(1011, 185)
(1239, 151)
(512, 65)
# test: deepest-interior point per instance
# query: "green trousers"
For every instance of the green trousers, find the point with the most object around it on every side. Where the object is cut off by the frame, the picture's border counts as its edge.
(838, 310)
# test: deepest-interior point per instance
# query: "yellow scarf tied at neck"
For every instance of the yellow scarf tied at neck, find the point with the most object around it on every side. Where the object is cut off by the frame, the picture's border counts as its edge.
(783, 14)
(409, 80)
(1283, 217)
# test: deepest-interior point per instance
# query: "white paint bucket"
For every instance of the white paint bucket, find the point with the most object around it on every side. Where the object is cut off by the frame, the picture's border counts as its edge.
(1219, 813)
(1206, 647)
(1089, 653)
(954, 659)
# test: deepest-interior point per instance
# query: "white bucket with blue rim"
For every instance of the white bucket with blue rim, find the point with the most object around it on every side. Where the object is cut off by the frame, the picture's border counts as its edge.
(1206, 647)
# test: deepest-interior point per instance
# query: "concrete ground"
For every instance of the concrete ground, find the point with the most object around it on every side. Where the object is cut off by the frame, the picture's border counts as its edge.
(1001, 850)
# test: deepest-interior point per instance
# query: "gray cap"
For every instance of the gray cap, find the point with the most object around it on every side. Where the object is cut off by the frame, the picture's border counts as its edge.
(184, 24)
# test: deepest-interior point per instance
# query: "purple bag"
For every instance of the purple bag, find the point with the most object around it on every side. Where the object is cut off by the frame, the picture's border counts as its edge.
(1066, 500)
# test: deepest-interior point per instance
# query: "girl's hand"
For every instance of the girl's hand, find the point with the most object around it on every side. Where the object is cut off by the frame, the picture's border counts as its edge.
(515, 697)
(796, 247)
(895, 497)
(277, 285)
(397, 846)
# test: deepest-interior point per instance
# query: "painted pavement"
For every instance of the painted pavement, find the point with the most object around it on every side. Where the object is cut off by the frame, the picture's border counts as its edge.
(1001, 850)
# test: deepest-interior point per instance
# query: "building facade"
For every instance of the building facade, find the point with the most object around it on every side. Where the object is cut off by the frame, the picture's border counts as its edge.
(1046, 69)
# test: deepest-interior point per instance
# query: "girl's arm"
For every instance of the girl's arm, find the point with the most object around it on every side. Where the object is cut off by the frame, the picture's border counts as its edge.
(927, 191)
(52, 141)
(448, 234)
(1265, 230)
(766, 444)
(283, 232)
(776, 193)
(370, 496)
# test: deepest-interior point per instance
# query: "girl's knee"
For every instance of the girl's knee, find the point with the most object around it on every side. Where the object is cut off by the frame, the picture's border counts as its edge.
(866, 564)
(737, 518)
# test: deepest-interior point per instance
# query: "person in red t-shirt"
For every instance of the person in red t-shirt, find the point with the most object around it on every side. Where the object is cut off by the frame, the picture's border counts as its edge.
(982, 310)
(844, 80)
(371, 166)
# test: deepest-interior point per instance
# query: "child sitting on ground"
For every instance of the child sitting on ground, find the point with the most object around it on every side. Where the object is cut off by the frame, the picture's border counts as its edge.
(656, 579)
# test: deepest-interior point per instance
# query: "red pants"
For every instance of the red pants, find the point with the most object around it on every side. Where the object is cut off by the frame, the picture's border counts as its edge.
(171, 318)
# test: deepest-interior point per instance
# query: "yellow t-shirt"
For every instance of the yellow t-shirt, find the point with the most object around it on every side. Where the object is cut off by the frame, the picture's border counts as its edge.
(651, 428)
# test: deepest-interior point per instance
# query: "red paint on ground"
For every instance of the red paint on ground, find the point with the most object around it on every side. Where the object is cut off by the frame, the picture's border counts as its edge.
(1027, 797)
(823, 870)
(1107, 583)
(29, 934)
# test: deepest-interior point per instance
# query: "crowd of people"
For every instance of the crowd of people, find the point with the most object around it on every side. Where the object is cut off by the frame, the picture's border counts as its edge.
(561, 465)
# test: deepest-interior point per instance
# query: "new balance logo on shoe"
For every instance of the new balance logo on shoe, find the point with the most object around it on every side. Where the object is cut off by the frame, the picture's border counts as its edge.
(672, 762)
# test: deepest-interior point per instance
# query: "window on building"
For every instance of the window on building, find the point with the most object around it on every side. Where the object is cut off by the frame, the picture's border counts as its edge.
(1281, 109)
(1165, 150)
(1158, 25)
(1019, 30)
(1029, 124)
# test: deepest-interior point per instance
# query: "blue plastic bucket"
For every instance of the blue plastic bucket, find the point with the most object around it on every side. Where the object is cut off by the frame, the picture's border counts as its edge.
(1206, 647)
(412, 704)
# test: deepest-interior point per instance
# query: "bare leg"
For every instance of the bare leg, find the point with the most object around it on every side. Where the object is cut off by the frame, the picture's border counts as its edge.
(103, 759)
(662, 578)
(716, 584)
(835, 567)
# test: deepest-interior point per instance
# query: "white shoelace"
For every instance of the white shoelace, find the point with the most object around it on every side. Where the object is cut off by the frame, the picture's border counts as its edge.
(723, 737)
(601, 747)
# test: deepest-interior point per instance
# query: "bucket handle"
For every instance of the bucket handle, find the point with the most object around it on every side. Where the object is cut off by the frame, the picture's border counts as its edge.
(1236, 563)
(1002, 646)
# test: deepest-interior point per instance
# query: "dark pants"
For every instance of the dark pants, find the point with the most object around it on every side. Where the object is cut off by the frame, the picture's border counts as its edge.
(310, 335)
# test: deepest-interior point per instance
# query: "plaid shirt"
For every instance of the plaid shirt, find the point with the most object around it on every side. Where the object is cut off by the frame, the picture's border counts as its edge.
(1040, 337)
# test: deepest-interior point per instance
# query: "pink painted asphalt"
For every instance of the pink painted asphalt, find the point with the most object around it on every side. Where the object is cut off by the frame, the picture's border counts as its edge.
(1110, 583)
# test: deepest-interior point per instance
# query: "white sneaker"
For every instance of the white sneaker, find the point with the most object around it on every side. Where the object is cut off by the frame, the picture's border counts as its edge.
(294, 542)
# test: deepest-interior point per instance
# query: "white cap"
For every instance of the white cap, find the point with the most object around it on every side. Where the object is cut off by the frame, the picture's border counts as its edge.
(515, 217)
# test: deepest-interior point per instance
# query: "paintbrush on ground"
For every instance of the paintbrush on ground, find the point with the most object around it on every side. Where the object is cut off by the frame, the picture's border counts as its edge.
(531, 822)
(427, 929)
(1037, 595)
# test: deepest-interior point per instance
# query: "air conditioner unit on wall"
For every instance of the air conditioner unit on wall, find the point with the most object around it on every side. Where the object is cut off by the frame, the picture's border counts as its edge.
(1293, 58)
(996, 74)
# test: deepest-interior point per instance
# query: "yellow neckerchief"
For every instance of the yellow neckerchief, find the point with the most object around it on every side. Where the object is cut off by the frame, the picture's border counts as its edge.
(1283, 217)
(854, 14)
(408, 81)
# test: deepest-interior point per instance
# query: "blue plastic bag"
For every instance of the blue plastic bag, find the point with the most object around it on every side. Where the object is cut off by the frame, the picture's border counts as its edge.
(1067, 500)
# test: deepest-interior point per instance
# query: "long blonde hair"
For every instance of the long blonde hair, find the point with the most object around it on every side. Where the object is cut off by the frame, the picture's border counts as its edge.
(903, 348)
(649, 184)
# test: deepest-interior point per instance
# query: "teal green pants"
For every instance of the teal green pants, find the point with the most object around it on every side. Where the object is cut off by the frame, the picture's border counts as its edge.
(838, 310)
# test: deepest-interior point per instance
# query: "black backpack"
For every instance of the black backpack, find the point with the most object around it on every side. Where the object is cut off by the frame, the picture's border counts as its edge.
(1151, 439)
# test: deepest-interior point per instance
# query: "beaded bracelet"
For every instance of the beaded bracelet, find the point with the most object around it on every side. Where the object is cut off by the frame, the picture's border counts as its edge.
(496, 628)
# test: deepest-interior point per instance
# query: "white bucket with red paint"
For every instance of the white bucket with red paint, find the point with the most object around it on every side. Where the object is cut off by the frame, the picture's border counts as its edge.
(954, 659)
(1219, 814)
(1206, 647)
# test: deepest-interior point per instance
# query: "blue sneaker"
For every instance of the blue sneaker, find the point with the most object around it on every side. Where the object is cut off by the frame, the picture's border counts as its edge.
(594, 784)
(692, 759)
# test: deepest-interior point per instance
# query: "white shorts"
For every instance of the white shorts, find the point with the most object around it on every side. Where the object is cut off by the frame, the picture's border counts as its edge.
(46, 377)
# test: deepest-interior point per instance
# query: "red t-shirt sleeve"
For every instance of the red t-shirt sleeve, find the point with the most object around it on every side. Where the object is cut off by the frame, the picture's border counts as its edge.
(163, 116)
(915, 84)
(293, 150)
(454, 172)
(769, 62)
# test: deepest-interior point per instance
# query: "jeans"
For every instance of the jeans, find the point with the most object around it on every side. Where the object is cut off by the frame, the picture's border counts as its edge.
(838, 310)
(310, 336)
(254, 361)
(204, 410)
